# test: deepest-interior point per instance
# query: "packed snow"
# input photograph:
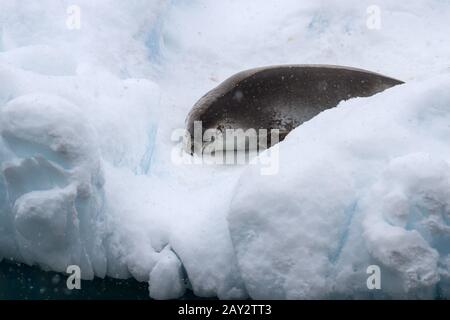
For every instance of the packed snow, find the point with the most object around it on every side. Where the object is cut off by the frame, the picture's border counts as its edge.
(380, 197)
(91, 93)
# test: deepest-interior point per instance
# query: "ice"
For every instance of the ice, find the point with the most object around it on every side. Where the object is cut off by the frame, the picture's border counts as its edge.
(54, 180)
(40, 59)
(167, 280)
(343, 202)
(86, 178)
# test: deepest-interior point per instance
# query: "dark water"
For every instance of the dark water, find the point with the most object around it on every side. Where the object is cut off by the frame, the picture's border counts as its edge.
(21, 282)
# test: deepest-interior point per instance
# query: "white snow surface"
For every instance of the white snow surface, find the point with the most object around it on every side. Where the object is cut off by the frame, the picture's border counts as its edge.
(86, 177)
(380, 197)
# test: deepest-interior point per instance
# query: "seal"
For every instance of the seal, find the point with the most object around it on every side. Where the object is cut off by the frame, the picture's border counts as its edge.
(279, 97)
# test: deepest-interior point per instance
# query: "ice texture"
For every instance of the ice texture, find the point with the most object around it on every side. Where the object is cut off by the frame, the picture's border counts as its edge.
(54, 181)
(86, 177)
(344, 201)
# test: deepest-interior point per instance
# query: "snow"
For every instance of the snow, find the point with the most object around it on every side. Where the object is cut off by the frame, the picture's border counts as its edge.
(166, 278)
(87, 115)
(379, 197)
(54, 180)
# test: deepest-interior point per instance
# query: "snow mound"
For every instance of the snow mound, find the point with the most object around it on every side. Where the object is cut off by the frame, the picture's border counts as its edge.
(71, 116)
(167, 278)
(53, 183)
(363, 184)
